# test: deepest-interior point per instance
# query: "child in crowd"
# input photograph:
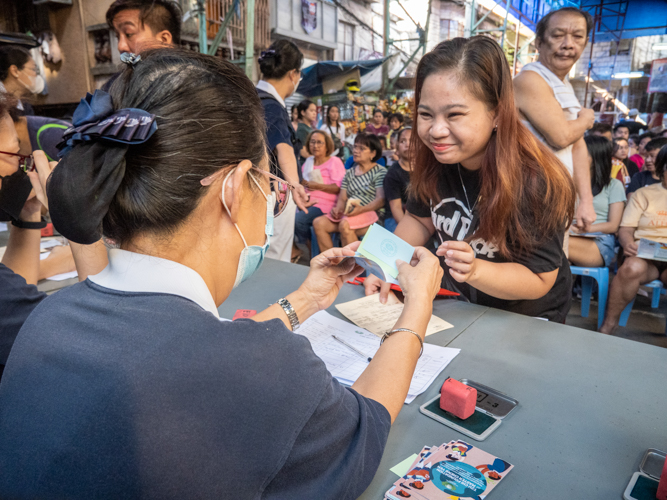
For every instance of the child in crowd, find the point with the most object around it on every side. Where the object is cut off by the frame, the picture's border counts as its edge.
(397, 180)
(622, 168)
(395, 126)
(644, 217)
(497, 199)
(608, 202)
(648, 175)
(361, 196)
(322, 177)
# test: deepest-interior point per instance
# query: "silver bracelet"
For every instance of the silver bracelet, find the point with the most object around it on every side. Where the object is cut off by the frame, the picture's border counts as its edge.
(291, 313)
(421, 342)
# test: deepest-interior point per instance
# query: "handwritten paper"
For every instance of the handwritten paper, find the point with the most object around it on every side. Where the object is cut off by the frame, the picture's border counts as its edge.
(346, 365)
(369, 313)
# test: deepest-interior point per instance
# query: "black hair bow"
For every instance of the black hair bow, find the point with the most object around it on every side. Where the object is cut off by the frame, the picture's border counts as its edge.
(93, 150)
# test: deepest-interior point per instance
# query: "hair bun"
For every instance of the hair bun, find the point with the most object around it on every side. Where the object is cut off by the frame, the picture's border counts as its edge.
(81, 188)
(267, 54)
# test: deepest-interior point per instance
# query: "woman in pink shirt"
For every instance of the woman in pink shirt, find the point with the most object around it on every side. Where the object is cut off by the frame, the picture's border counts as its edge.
(322, 176)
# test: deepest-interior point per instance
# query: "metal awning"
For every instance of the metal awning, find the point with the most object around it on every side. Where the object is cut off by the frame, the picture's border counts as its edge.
(21, 39)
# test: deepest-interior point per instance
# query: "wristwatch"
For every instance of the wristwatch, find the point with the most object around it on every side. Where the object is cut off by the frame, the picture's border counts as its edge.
(291, 313)
(29, 225)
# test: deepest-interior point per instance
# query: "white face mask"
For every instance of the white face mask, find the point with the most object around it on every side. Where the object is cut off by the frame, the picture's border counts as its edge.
(35, 83)
(296, 86)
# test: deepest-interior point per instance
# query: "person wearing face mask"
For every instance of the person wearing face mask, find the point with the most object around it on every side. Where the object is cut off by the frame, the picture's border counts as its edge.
(497, 200)
(143, 24)
(21, 267)
(280, 65)
(19, 76)
(137, 388)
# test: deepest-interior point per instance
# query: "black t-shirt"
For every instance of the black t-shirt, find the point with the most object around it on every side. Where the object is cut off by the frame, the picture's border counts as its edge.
(454, 221)
(17, 300)
(396, 186)
(640, 180)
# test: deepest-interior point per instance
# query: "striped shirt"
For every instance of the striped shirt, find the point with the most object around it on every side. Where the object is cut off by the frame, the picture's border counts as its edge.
(363, 187)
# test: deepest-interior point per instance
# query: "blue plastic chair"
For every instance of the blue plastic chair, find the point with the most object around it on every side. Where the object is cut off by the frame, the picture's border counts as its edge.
(588, 274)
(658, 290)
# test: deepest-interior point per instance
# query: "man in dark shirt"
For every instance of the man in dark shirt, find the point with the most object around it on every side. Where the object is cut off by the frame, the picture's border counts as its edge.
(647, 176)
(18, 300)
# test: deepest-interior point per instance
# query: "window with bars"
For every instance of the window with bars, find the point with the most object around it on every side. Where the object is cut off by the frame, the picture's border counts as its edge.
(450, 28)
(346, 41)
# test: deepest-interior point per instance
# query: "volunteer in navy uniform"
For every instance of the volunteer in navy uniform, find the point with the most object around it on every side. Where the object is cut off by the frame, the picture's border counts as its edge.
(280, 65)
(497, 200)
(21, 208)
(128, 385)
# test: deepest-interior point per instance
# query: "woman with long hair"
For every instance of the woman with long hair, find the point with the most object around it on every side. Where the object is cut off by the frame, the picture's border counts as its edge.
(307, 111)
(19, 76)
(608, 202)
(497, 199)
(336, 130)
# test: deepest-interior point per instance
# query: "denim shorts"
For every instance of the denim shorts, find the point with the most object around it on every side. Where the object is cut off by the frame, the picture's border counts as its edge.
(605, 244)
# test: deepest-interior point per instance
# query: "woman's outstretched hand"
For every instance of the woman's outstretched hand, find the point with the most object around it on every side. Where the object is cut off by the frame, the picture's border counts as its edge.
(327, 275)
(460, 257)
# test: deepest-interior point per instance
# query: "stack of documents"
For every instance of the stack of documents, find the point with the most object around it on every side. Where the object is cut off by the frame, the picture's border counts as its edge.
(346, 365)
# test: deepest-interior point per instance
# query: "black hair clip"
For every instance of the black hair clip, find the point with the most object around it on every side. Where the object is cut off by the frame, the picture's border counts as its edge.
(267, 54)
(130, 58)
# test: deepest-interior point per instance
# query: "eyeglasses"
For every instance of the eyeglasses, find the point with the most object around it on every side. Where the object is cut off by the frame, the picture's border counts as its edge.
(279, 186)
(317, 143)
(26, 162)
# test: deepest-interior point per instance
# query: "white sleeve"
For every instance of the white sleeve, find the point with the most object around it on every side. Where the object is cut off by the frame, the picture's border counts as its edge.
(341, 130)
